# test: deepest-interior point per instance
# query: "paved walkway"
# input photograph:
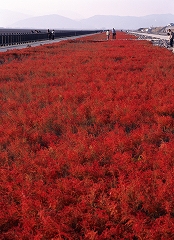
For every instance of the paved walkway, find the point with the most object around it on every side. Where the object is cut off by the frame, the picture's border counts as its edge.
(39, 43)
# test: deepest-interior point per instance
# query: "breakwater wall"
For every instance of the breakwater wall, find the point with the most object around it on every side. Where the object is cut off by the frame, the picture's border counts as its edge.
(15, 36)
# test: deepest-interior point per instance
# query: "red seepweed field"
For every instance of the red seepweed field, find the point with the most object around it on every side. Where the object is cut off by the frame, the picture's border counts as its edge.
(87, 141)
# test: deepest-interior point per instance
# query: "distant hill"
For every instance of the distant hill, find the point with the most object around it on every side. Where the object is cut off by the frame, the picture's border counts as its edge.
(7, 17)
(96, 22)
(53, 21)
(128, 22)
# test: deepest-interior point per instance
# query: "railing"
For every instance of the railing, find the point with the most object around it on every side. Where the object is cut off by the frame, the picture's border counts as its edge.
(7, 39)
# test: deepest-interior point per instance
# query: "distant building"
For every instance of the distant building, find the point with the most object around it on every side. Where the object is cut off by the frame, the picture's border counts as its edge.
(170, 24)
(142, 29)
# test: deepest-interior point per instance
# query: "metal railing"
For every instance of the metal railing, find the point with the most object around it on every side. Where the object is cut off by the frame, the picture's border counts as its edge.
(7, 39)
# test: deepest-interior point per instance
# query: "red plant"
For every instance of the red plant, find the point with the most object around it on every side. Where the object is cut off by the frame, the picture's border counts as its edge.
(86, 140)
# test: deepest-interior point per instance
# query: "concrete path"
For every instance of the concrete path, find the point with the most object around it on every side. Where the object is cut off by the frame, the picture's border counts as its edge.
(39, 43)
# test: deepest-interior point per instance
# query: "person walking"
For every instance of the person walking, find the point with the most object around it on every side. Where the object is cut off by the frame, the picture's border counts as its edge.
(171, 36)
(113, 33)
(53, 34)
(49, 34)
(107, 34)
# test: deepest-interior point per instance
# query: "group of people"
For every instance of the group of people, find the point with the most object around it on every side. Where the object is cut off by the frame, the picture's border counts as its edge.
(113, 34)
(35, 31)
(51, 34)
(170, 33)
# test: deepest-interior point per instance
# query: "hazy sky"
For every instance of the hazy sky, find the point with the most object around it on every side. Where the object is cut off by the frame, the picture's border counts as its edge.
(88, 8)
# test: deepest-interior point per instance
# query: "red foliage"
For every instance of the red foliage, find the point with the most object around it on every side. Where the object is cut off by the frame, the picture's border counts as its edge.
(86, 140)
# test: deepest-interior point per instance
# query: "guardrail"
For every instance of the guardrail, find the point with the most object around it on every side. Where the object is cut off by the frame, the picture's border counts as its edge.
(7, 39)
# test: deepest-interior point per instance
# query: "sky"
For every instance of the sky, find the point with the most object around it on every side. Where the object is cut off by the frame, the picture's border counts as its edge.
(87, 8)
